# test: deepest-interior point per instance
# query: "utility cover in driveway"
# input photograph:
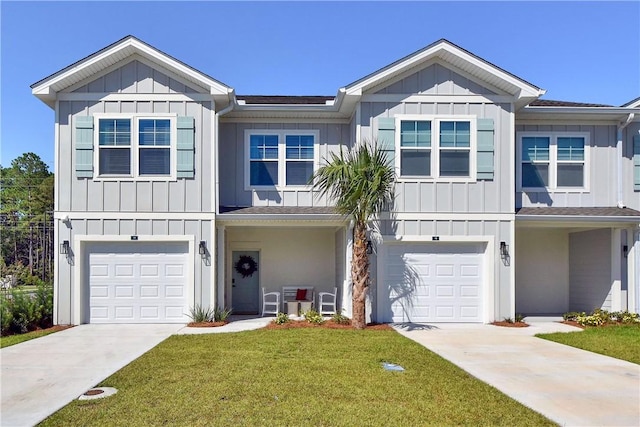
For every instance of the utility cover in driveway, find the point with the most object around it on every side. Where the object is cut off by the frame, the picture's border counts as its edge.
(138, 283)
(438, 282)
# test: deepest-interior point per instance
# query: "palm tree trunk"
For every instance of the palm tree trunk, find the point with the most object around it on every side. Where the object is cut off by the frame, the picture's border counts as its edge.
(359, 275)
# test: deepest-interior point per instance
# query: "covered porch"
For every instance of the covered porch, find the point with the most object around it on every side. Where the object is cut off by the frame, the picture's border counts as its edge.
(272, 248)
(576, 259)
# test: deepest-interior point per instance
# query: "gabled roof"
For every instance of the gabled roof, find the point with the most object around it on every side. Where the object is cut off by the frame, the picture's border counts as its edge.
(554, 103)
(124, 48)
(449, 53)
(634, 103)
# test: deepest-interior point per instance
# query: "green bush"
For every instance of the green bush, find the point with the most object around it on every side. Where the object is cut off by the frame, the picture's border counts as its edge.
(519, 318)
(6, 315)
(601, 317)
(221, 314)
(24, 312)
(200, 314)
(340, 319)
(44, 304)
(281, 318)
(313, 316)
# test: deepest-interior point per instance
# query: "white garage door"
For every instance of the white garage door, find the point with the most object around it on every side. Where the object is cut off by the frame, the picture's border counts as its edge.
(432, 283)
(138, 283)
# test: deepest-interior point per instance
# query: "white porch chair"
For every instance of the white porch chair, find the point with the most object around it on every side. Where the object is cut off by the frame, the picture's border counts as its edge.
(327, 302)
(270, 302)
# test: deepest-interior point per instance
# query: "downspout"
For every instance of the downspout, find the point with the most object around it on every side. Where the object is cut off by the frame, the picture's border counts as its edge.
(621, 127)
(220, 113)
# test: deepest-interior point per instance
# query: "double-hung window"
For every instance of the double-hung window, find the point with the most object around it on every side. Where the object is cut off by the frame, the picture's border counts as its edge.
(436, 147)
(553, 160)
(280, 158)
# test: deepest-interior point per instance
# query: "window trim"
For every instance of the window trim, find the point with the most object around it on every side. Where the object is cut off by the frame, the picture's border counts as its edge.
(553, 161)
(435, 120)
(134, 175)
(282, 161)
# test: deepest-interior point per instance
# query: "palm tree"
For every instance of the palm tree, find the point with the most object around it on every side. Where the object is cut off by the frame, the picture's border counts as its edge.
(361, 182)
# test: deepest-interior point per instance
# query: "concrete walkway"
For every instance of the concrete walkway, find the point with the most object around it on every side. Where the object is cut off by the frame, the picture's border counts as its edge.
(569, 386)
(43, 375)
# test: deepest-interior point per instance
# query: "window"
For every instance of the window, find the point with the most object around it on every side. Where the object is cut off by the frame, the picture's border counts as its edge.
(136, 146)
(280, 158)
(436, 147)
(264, 159)
(299, 159)
(553, 160)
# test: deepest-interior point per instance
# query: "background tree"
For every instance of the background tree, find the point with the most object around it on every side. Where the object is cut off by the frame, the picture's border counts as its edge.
(361, 182)
(26, 206)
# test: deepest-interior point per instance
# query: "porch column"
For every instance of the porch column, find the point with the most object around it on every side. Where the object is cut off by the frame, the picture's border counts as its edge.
(220, 270)
(616, 269)
(633, 269)
(346, 293)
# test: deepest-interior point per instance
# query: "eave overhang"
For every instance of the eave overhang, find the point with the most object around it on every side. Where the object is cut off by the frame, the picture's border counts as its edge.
(613, 114)
(448, 53)
(48, 88)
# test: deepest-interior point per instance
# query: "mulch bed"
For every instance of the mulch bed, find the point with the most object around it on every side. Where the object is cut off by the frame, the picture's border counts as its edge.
(329, 324)
(572, 323)
(55, 328)
(206, 324)
(510, 324)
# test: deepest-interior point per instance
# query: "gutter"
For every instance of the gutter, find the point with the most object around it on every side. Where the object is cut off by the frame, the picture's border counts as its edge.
(620, 185)
(578, 218)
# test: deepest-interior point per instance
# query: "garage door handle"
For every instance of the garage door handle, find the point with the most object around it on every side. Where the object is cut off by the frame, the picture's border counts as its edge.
(233, 286)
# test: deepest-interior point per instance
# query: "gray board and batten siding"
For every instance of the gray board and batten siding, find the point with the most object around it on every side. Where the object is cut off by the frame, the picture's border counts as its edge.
(494, 195)
(602, 186)
(139, 195)
(232, 158)
(123, 199)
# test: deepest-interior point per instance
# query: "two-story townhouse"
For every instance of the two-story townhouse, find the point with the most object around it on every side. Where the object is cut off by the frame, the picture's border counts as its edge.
(173, 191)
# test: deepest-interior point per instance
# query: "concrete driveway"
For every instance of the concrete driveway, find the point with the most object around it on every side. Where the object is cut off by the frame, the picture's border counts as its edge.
(41, 376)
(569, 386)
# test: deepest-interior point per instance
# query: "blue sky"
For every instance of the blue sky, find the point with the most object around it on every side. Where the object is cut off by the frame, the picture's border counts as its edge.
(578, 51)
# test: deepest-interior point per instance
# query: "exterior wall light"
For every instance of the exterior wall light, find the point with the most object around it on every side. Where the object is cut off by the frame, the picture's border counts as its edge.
(64, 247)
(369, 247)
(504, 249)
(202, 247)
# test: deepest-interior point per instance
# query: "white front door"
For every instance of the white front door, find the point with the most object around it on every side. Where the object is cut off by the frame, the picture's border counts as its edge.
(424, 282)
(138, 282)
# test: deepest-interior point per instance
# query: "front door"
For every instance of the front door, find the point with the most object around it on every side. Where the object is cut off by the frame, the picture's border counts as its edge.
(245, 282)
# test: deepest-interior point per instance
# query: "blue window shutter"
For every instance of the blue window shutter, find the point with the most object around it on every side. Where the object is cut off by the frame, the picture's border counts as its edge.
(186, 147)
(387, 137)
(84, 147)
(485, 149)
(636, 162)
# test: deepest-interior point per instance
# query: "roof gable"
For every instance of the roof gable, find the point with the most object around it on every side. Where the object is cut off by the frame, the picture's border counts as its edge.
(47, 88)
(448, 53)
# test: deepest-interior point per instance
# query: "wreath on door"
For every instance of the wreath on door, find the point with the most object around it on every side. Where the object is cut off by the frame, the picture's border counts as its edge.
(246, 266)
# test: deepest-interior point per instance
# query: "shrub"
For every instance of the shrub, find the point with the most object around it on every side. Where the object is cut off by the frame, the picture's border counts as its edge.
(572, 315)
(519, 318)
(508, 319)
(200, 314)
(221, 314)
(44, 304)
(313, 316)
(24, 312)
(340, 319)
(281, 318)
(6, 315)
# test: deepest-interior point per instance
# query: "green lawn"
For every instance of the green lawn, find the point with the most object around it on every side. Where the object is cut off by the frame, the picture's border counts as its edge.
(17, 339)
(317, 377)
(619, 341)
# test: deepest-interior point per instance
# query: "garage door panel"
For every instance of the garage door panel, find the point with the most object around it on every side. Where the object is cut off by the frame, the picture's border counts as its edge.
(451, 293)
(149, 291)
(138, 283)
(123, 291)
